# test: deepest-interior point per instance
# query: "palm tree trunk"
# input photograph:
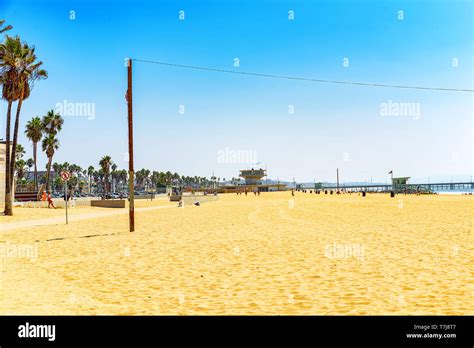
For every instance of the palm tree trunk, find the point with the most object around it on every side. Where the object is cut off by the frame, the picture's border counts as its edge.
(106, 185)
(15, 139)
(48, 170)
(35, 148)
(8, 188)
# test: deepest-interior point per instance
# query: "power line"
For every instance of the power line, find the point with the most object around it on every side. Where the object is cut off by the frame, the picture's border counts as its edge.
(367, 84)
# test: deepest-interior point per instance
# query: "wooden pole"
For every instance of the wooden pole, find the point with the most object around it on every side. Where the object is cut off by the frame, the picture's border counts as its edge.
(131, 204)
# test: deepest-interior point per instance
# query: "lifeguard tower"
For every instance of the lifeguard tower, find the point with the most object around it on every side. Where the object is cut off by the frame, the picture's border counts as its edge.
(400, 184)
(253, 182)
(253, 176)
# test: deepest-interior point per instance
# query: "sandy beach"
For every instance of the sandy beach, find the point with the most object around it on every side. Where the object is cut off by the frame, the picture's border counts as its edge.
(273, 254)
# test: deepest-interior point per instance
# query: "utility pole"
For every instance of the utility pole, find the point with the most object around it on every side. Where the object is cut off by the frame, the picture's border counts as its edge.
(131, 175)
(337, 172)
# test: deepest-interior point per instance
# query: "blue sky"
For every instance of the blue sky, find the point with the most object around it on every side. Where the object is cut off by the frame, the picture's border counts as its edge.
(332, 125)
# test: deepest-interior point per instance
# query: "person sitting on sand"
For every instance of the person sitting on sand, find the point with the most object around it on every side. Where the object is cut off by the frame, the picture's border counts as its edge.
(50, 201)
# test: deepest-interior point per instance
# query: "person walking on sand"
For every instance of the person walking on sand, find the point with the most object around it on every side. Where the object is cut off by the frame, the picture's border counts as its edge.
(43, 197)
(50, 201)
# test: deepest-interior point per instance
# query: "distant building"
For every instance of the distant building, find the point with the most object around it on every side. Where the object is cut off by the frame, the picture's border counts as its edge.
(400, 184)
(253, 183)
(3, 159)
(253, 176)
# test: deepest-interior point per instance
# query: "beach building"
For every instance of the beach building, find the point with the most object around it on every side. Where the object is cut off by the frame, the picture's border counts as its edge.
(253, 183)
(400, 184)
(253, 176)
(3, 152)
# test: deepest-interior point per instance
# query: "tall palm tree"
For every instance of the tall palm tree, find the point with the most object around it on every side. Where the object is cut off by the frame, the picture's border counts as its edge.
(114, 175)
(19, 70)
(27, 72)
(50, 145)
(90, 172)
(34, 132)
(52, 124)
(105, 164)
(8, 50)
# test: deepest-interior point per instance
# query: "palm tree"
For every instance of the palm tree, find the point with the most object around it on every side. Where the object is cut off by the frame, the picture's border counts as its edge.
(90, 172)
(105, 164)
(19, 70)
(20, 152)
(114, 175)
(176, 178)
(20, 165)
(34, 132)
(50, 145)
(57, 184)
(30, 163)
(10, 94)
(81, 186)
(168, 176)
(52, 122)
(75, 172)
(2, 28)
(56, 167)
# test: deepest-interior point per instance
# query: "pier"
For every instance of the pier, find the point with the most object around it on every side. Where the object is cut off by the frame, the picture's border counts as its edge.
(440, 186)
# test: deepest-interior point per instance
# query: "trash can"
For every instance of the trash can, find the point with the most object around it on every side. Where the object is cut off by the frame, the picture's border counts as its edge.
(363, 193)
(392, 194)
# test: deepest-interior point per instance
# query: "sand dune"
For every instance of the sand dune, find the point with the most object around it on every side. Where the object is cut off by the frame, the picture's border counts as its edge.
(272, 254)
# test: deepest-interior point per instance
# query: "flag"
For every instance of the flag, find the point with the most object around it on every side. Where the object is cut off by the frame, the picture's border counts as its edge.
(390, 172)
